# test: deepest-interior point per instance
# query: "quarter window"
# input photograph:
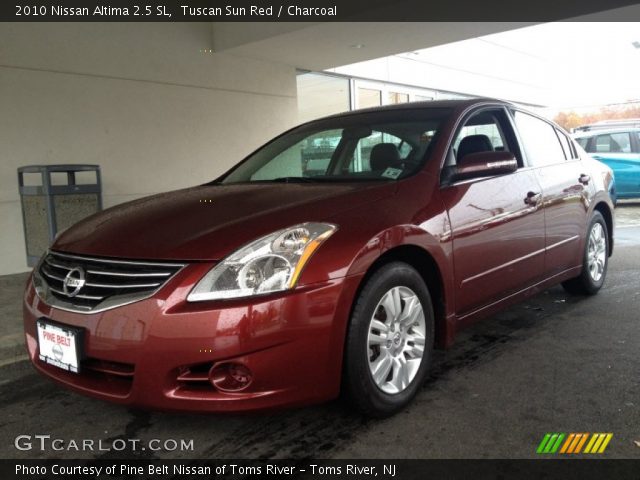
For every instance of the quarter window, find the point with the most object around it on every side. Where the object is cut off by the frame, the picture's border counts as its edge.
(564, 141)
(539, 140)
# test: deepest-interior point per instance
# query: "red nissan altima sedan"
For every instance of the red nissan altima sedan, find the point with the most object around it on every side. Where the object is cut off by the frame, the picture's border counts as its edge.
(335, 258)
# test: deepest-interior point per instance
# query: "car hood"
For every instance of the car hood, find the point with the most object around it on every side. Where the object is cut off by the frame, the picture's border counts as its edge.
(210, 222)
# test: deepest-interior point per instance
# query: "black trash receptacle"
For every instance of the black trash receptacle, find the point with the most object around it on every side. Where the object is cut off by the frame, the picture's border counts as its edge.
(53, 198)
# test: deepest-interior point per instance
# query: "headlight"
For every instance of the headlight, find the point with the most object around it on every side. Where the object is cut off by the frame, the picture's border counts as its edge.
(272, 263)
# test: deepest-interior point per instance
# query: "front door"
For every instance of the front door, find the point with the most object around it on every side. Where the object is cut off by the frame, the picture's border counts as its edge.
(497, 223)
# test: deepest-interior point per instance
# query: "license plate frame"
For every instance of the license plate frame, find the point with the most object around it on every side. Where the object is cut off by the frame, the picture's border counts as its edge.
(60, 345)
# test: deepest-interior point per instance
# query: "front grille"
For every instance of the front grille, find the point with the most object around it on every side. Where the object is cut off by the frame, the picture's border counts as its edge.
(107, 283)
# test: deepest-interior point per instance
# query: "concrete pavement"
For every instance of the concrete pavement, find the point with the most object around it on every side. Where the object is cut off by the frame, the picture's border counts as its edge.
(11, 337)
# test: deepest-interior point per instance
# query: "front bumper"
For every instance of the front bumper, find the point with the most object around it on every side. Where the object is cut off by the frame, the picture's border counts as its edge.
(156, 353)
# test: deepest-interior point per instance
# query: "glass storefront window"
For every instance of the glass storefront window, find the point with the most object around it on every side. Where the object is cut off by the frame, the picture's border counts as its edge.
(321, 95)
(368, 97)
(395, 97)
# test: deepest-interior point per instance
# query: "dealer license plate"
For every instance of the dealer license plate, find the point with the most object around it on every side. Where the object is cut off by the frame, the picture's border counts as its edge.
(59, 345)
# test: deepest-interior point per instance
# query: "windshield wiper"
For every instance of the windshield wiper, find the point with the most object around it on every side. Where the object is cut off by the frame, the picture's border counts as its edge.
(292, 180)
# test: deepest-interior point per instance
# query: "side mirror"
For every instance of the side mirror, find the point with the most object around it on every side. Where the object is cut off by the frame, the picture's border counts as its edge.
(484, 164)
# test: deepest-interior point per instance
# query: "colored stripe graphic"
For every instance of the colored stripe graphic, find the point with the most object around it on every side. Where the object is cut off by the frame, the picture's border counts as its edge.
(574, 443)
(591, 442)
(607, 439)
(578, 448)
(543, 443)
(554, 449)
(567, 443)
(598, 442)
(550, 443)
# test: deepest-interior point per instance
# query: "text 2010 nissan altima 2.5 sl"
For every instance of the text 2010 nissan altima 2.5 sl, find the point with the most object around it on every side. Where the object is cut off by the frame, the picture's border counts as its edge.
(271, 287)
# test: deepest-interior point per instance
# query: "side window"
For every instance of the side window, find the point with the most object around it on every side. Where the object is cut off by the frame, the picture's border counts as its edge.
(539, 140)
(622, 141)
(583, 142)
(566, 145)
(613, 143)
(483, 132)
(574, 150)
(490, 130)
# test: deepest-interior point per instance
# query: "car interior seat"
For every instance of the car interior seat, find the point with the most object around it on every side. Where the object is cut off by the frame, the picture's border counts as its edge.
(383, 156)
(473, 144)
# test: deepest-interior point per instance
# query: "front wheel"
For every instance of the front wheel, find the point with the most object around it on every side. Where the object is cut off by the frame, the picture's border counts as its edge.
(595, 260)
(389, 341)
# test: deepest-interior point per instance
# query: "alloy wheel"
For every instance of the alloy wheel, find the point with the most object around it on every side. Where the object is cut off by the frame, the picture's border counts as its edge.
(396, 340)
(596, 252)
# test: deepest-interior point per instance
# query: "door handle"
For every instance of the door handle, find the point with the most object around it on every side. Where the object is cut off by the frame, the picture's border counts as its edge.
(532, 199)
(584, 179)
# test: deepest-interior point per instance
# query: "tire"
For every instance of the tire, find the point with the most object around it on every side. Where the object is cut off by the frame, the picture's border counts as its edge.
(595, 259)
(377, 335)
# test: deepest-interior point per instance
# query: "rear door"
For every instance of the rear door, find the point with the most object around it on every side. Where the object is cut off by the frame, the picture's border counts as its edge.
(565, 190)
(496, 222)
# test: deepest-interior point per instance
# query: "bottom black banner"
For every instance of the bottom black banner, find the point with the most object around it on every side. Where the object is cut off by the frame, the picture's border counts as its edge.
(319, 469)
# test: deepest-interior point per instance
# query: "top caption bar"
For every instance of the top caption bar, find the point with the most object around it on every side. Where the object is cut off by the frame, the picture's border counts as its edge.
(303, 10)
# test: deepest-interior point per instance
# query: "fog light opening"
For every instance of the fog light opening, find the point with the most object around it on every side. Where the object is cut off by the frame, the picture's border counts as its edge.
(230, 377)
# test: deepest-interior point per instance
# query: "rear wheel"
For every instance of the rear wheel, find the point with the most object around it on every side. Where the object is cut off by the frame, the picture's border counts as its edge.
(389, 341)
(595, 260)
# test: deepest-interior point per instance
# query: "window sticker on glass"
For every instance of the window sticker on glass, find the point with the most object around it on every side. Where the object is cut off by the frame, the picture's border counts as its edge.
(391, 172)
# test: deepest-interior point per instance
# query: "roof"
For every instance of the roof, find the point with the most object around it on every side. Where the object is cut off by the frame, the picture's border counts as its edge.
(452, 104)
(603, 131)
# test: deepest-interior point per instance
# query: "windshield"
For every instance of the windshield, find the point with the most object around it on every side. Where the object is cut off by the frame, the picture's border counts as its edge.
(374, 146)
